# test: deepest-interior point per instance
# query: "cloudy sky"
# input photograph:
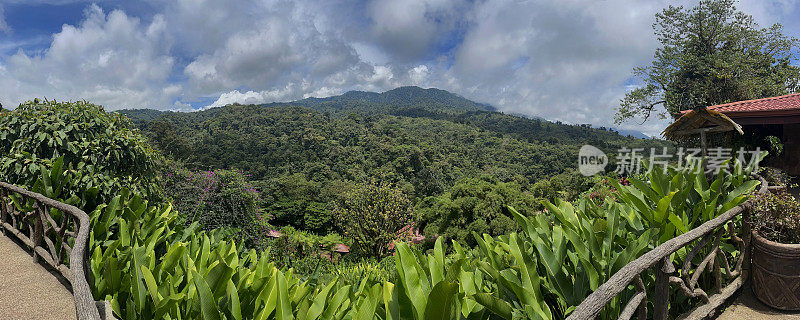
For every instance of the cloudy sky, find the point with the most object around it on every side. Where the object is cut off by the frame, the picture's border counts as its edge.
(564, 60)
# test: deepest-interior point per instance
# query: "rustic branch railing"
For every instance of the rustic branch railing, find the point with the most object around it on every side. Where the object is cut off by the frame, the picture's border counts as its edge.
(710, 233)
(57, 233)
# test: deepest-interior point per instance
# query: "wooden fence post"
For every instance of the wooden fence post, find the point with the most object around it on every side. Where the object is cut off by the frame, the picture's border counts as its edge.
(746, 237)
(38, 231)
(661, 294)
(3, 212)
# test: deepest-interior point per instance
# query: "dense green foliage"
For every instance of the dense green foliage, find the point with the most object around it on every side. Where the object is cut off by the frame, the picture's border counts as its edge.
(310, 255)
(421, 155)
(475, 206)
(371, 215)
(296, 201)
(712, 54)
(304, 155)
(216, 199)
(151, 265)
(104, 149)
(426, 148)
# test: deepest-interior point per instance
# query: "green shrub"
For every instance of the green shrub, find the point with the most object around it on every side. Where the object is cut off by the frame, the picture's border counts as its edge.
(371, 215)
(216, 199)
(475, 206)
(566, 186)
(103, 147)
(293, 247)
(296, 201)
(371, 270)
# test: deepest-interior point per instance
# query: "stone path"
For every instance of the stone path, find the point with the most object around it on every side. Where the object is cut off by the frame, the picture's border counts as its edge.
(747, 306)
(28, 290)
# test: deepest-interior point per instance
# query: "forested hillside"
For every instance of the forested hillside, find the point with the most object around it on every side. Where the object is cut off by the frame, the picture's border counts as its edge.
(417, 135)
(305, 154)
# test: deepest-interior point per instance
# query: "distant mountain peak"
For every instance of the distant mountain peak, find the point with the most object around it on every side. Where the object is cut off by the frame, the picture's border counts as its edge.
(406, 97)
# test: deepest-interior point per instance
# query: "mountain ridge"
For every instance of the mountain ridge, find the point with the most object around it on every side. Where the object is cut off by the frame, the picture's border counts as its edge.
(410, 101)
(406, 97)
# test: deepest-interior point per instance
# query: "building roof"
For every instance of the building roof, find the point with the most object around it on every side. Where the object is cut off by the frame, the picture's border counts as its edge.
(341, 248)
(693, 122)
(780, 105)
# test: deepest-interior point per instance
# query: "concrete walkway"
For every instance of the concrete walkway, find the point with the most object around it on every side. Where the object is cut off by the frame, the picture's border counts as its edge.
(27, 289)
(747, 306)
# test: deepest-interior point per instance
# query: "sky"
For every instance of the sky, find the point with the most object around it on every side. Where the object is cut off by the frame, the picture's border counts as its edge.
(563, 60)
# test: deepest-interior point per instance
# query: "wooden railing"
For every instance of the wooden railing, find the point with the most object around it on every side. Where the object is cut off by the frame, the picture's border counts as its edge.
(707, 238)
(57, 233)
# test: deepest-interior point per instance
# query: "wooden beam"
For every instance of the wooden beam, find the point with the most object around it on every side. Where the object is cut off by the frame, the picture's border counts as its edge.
(692, 132)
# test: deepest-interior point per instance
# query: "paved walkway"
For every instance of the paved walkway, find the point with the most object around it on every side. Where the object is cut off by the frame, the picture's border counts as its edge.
(747, 306)
(28, 290)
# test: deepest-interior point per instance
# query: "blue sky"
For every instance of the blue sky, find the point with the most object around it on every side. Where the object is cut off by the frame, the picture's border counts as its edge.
(566, 60)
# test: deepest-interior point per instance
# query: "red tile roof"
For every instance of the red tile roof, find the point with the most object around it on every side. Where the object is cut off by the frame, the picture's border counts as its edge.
(341, 248)
(779, 104)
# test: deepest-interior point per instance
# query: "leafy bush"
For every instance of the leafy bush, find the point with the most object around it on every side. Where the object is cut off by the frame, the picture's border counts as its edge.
(602, 190)
(566, 186)
(680, 200)
(371, 215)
(371, 270)
(103, 147)
(150, 267)
(216, 199)
(292, 248)
(777, 177)
(296, 201)
(475, 206)
(777, 217)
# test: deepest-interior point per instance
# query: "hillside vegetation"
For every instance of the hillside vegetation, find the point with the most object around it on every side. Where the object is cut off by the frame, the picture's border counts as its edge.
(305, 154)
(163, 259)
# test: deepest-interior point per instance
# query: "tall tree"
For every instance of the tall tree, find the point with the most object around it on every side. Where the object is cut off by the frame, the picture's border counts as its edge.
(711, 54)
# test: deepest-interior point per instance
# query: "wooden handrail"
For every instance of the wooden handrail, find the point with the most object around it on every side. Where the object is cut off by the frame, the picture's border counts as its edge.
(660, 258)
(39, 223)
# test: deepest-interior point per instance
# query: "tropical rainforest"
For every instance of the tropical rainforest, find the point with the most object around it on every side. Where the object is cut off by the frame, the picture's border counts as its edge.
(447, 154)
(408, 204)
(237, 239)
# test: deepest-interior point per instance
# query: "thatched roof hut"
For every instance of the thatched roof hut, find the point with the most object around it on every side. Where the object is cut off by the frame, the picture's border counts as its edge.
(699, 122)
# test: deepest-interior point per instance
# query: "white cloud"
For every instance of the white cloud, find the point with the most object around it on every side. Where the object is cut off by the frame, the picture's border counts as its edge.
(562, 60)
(409, 28)
(253, 97)
(4, 28)
(111, 59)
(418, 74)
(359, 77)
(286, 43)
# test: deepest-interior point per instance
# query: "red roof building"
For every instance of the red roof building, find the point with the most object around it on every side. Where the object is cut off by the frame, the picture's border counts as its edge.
(760, 118)
(775, 110)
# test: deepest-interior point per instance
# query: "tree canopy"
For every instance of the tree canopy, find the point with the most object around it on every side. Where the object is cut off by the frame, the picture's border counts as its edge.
(104, 147)
(711, 54)
(306, 155)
